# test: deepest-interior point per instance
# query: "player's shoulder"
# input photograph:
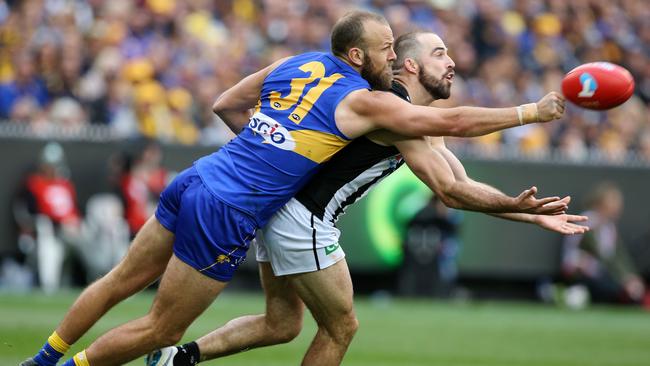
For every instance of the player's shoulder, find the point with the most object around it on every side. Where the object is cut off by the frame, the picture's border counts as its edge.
(368, 102)
(316, 64)
(276, 65)
(315, 56)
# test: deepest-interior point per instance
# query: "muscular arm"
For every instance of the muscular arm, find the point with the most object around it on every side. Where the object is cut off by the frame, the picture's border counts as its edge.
(563, 223)
(513, 216)
(364, 111)
(460, 174)
(433, 169)
(233, 106)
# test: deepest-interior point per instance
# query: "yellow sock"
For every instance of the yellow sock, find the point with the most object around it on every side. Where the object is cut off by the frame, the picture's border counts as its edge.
(57, 343)
(80, 359)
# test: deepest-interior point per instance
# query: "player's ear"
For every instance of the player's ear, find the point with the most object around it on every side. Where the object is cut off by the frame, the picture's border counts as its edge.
(356, 56)
(411, 66)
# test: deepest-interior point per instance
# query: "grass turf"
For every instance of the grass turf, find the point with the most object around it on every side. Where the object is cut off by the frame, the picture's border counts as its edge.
(392, 332)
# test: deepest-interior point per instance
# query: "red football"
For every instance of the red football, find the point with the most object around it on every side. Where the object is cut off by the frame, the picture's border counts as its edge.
(598, 85)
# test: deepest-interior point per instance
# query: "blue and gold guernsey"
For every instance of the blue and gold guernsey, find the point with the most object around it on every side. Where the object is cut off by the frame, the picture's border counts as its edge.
(290, 134)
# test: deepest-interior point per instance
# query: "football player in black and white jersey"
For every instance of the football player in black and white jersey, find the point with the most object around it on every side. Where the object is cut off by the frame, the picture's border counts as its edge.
(301, 261)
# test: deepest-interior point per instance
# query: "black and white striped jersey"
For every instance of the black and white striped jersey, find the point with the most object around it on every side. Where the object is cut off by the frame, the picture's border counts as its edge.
(350, 174)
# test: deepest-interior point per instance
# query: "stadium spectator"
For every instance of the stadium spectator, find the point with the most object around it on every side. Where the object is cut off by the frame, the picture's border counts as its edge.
(66, 114)
(141, 180)
(24, 83)
(598, 259)
(26, 111)
(430, 251)
(644, 145)
(507, 51)
(48, 218)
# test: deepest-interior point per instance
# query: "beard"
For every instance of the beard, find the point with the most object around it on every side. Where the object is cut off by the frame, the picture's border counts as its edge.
(378, 79)
(437, 88)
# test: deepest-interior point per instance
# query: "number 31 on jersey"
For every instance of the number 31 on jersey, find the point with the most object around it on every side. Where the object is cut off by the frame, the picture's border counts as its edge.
(302, 106)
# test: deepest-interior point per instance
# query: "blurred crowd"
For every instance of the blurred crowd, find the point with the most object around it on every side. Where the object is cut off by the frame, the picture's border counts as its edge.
(154, 67)
(63, 241)
(598, 260)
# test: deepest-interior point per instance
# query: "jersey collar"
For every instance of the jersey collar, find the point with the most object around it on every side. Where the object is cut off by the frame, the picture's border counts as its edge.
(399, 90)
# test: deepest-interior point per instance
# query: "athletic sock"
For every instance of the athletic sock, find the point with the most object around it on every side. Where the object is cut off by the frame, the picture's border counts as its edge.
(52, 351)
(79, 359)
(188, 355)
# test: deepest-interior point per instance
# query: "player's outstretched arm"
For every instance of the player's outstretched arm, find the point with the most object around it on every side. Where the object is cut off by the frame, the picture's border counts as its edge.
(385, 110)
(562, 223)
(432, 168)
(233, 106)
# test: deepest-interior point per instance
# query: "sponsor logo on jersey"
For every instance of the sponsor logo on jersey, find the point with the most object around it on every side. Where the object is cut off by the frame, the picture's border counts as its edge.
(331, 248)
(271, 131)
(395, 161)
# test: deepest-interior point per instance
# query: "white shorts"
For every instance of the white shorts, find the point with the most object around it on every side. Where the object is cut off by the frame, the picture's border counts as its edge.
(295, 241)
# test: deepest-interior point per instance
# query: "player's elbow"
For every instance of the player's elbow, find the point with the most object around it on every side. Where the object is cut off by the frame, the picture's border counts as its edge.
(443, 188)
(217, 106)
(445, 192)
(221, 105)
(446, 199)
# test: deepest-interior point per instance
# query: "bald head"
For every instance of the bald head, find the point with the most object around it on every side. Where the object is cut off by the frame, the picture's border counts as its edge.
(364, 40)
(350, 32)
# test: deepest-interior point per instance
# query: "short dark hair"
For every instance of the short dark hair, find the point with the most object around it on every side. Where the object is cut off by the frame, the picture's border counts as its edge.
(407, 46)
(348, 32)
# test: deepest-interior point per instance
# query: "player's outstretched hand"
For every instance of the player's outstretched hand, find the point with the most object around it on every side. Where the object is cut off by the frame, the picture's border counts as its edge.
(563, 224)
(551, 107)
(527, 203)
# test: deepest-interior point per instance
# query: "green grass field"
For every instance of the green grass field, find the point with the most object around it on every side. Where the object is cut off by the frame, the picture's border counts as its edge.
(392, 332)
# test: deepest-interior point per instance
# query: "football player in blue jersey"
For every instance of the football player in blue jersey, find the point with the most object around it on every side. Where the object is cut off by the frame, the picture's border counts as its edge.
(300, 259)
(307, 108)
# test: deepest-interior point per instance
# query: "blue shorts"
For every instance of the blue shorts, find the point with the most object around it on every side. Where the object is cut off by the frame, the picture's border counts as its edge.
(211, 236)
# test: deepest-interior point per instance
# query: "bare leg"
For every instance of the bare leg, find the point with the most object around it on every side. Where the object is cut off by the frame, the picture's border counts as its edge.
(329, 296)
(144, 262)
(183, 295)
(281, 323)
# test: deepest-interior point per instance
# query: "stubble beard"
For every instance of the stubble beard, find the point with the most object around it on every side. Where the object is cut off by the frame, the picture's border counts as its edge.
(437, 88)
(378, 79)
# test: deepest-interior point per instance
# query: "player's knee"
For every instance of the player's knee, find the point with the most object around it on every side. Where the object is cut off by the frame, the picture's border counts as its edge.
(355, 322)
(287, 330)
(351, 324)
(167, 337)
(345, 328)
(163, 333)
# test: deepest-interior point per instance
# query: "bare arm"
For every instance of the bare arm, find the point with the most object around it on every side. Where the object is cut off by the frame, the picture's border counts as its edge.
(460, 174)
(233, 106)
(432, 168)
(563, 223)
(373, 109)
